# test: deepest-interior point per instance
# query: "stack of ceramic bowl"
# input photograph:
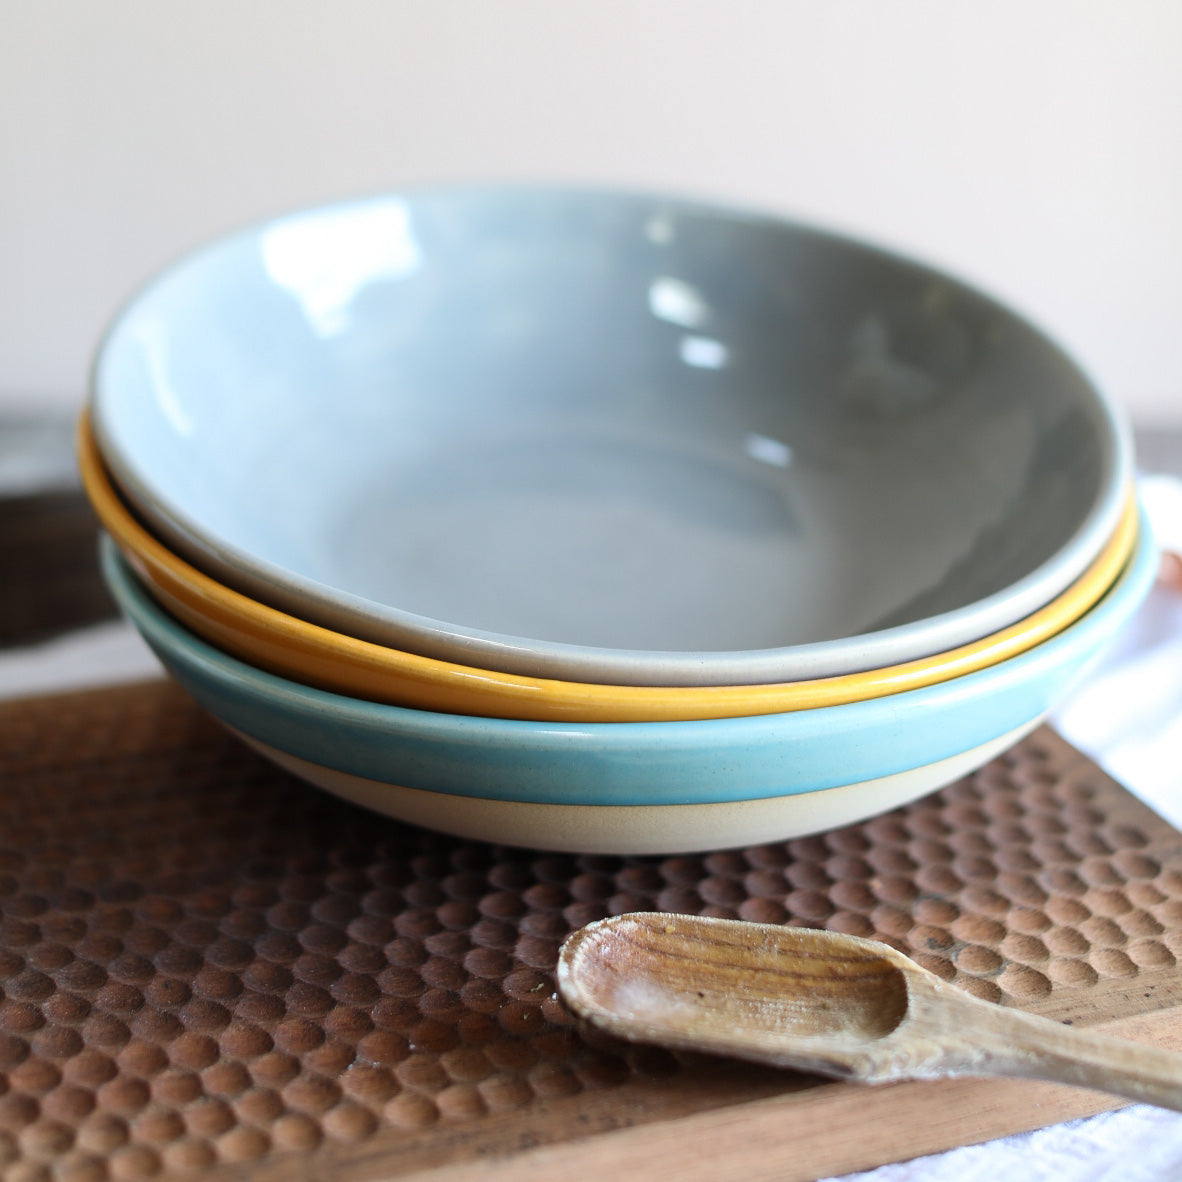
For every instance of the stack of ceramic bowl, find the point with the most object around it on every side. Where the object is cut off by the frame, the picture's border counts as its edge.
(605, 522)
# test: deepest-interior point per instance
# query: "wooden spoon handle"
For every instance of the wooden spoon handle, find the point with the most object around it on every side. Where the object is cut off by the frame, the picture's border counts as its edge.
(1035, 1048)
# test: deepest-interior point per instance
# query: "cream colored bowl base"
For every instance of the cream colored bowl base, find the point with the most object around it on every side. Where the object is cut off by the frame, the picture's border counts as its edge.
(643, 829)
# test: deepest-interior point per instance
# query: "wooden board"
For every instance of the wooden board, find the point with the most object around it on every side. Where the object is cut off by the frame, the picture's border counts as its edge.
(208, 968)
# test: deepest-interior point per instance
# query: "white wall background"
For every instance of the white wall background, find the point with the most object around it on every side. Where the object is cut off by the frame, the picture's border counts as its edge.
(1031, 146)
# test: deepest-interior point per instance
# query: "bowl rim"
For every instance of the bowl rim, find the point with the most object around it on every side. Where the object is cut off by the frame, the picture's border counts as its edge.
(309, 653)
(392, 626)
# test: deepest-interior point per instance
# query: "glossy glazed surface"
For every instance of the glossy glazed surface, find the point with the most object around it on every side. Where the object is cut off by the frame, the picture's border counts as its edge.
(604, 437)
(633, 763)
(290, 647)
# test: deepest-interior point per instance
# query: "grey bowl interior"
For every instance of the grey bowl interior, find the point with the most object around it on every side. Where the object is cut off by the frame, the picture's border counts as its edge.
(606, 437)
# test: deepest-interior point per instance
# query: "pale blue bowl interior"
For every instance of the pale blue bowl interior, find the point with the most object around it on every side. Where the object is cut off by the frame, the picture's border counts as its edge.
(606, 437)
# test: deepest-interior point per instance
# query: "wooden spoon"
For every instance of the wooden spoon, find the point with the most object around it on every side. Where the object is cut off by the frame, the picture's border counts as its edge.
(827, 1003)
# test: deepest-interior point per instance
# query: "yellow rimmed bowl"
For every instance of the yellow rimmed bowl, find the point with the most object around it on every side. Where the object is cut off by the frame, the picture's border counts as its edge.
(288, 646)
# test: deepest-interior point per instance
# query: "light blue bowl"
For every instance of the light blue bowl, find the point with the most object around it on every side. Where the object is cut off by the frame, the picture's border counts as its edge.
(606, 437)
(635, 764)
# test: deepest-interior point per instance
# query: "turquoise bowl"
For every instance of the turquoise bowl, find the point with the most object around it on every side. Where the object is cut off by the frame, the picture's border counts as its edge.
(637, 770)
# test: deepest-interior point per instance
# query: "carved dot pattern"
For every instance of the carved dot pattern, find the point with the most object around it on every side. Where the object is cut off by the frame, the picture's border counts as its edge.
(206, 963)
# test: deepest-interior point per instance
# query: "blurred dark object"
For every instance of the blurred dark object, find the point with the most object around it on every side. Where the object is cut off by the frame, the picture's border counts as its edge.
(49, 578)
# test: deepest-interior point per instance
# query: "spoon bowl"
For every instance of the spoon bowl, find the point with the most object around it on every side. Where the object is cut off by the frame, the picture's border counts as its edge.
(830, 1004)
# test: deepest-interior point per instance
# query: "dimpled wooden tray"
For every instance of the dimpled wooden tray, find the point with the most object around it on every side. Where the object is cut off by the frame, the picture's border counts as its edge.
(208, 968)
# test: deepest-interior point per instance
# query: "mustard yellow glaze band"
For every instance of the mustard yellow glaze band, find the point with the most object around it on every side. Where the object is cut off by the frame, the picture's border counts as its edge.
(316, 656)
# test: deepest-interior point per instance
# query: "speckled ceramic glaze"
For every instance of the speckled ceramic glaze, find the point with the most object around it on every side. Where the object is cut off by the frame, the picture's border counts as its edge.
(606, 437)
(629, 764)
